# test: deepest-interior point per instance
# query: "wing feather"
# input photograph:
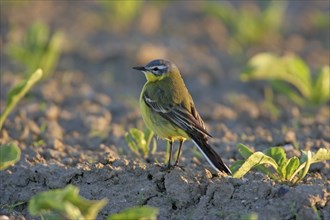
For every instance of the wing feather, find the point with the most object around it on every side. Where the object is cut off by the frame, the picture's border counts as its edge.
(178, 115)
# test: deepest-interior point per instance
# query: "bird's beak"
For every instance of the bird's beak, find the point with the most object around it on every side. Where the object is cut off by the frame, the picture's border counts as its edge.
(141, 68)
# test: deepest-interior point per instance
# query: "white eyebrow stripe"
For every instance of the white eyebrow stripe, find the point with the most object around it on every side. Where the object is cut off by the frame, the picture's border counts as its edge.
(160, 67)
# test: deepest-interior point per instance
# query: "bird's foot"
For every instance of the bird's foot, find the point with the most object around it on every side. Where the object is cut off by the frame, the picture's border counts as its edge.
(167, 168)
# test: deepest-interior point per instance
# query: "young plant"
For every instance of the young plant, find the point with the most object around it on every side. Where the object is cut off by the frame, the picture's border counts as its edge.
(291, 76)
(250, 216)
(121, 13)
(9, 155)
(139, 142)
(67, 204)
(246, 24)
(18, 92)
(64, 204)
(137, 213)
(38, 49)
(279, 168)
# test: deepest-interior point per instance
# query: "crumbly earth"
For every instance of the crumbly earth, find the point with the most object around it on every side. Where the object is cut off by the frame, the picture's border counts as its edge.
(71, 126)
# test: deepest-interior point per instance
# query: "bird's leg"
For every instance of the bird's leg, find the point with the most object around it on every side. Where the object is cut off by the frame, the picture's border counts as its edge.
(170, 155)
(179, 152)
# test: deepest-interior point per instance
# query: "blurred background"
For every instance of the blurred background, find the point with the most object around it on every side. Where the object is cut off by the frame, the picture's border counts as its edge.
(87, 49)
(210, 40)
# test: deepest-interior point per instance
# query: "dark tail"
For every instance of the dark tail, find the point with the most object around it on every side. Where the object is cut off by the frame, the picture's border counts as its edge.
(211, 156)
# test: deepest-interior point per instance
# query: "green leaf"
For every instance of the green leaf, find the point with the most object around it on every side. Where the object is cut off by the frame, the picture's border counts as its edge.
(154, 146)
(273, 15)
(297, 67)
(138, 136)
(291, 75)
(50, 57)
(278, 154)
(246, 153)
(287, 90)
(236, 165)
(321, 91)
(149, 137)
(250, 216)
(258, 27)
(306, 165)
(136, 213)
(321, 155)
(38, 49)
(221, 10)
(122, 13)
(9, 155)
(291, 166)
(303, 157)
(65, 203)
(259, 67)
(136, 139)
(18, 92)
(149, 134)
(305, 160)
(254, 160)
(244, 150)
(286, 170)
(140, 142)
(132, 144)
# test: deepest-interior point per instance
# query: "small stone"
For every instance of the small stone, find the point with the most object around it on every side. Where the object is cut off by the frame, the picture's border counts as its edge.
(4, 217)
(67, 161)
(52, 112)
(55, 130)
(99, 166)
(290, 136)
(208, 174)
(33, 127)
(58, 145)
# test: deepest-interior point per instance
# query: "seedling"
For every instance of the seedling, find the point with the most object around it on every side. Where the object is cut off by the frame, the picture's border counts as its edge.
(64, 204)
(290, 76)
(38, 143)
(121, 13)
(138, 213)
(140, 142)
(18, 92)
(274, 163)
(320, 20)
(11, 207)
(250, 216)
(38, 49)
(9, 155)
(316, 212)
(248, 25)
(67, 204)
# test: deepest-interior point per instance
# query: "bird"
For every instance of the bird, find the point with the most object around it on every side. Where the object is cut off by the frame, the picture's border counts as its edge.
(167, 109)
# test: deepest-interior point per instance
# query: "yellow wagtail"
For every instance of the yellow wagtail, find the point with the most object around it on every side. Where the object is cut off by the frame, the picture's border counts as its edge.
(168, 109)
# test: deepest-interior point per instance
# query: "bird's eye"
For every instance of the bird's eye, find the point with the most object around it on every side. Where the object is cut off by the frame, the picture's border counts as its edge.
(155, 69)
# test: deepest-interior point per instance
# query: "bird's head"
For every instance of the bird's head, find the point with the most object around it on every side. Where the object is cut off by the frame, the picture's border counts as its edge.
(158, 69)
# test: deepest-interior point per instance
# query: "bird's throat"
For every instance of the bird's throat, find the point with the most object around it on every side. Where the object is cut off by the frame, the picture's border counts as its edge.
(153, 78)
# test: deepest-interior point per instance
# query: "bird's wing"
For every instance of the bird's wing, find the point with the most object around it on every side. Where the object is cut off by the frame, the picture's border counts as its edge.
(189, 121)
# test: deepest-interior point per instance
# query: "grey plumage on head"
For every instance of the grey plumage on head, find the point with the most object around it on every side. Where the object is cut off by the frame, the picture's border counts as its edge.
(158, 62)
(160, 66)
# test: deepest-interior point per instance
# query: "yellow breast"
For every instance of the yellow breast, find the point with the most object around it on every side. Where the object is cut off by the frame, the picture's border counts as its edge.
(159, 125)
